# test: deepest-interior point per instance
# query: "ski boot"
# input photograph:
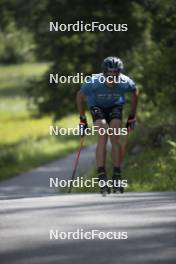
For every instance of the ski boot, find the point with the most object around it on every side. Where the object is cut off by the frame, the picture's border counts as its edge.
(117, 182)
(104, 190)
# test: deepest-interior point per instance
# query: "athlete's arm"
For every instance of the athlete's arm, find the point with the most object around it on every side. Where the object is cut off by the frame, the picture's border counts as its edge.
(80, 100)
(131, 118)
(134, 101)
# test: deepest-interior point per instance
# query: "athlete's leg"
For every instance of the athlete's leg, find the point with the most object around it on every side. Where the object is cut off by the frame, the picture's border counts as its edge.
(116, 156)
(101, 145)
(101, 155)
(116, 147)
(99, 118)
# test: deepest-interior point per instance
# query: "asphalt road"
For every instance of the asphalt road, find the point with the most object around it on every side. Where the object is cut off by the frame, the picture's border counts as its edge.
(148, 218)
(35, 183)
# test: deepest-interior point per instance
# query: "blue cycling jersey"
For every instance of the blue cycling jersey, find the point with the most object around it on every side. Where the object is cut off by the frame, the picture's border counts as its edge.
(99, 94)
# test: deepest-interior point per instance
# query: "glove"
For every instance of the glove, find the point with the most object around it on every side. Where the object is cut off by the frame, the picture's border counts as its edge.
(130, 125)
(82, 125)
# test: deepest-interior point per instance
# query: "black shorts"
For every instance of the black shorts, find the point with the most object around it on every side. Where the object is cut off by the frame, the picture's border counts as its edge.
(108, 114)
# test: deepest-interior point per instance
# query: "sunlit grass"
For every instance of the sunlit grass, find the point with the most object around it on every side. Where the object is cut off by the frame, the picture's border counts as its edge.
(13, 82)
(24, 140)
(11, 73)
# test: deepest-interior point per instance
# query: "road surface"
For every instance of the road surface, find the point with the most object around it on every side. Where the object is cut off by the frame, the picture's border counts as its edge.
(148, 218)
(30, 210)
(36, 182)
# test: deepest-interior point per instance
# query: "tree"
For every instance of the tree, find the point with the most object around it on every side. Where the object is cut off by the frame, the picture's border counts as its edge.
(72, 52)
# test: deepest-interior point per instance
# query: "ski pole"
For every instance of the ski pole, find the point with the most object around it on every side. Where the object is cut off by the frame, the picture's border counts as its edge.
(76, 163)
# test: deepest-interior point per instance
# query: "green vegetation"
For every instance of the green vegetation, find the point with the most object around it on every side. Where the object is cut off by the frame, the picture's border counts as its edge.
(16, 45)
(150, 162)
(24, 140)
(148, 51)
(147, 47)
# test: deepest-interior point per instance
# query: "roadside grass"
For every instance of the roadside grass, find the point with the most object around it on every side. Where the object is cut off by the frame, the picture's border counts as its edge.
(24, 140)
(153, 166)
(150, 163)
(13, 82)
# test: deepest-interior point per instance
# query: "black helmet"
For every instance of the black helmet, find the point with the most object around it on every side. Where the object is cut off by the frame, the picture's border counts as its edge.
(112, 64)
